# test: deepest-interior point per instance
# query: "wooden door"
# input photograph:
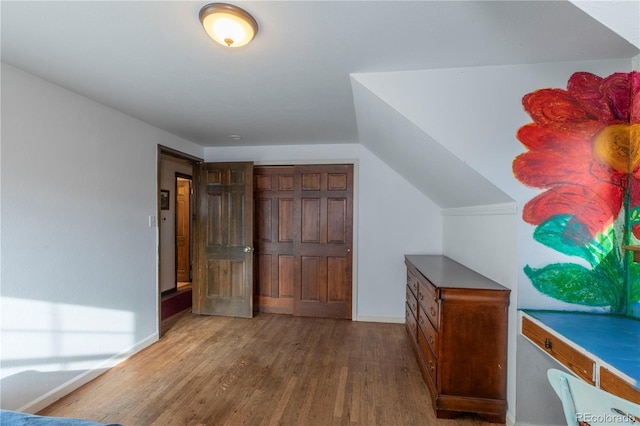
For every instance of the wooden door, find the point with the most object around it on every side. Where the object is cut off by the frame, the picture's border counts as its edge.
(323, 217)
(274, 235)
(224, 261)
(183, 229)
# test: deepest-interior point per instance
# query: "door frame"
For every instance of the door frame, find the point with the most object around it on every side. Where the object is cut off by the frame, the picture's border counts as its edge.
(354, 248)
(161, 151)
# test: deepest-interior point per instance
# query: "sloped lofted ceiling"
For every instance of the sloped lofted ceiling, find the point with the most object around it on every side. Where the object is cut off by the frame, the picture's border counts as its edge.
(434, 170)
(622, 17)
(291, 85)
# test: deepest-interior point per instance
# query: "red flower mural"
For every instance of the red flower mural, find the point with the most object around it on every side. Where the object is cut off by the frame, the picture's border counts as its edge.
(584, 149)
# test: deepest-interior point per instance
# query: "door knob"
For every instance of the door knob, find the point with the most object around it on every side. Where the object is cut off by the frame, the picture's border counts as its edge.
(247, 249)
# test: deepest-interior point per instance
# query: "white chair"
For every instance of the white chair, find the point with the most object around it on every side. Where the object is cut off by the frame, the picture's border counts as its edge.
(586, 405)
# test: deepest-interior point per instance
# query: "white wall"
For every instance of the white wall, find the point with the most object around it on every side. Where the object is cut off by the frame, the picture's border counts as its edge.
(79, 260)
(484, 239)
(392, 219)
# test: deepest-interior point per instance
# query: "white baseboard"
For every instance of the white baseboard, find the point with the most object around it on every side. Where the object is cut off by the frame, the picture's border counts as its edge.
(52, 396)
(393, 320)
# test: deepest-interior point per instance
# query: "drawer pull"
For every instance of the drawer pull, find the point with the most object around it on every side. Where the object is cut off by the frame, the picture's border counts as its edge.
(547, 343)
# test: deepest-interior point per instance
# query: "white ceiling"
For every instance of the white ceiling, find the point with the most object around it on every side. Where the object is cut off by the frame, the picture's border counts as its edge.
(152, 59)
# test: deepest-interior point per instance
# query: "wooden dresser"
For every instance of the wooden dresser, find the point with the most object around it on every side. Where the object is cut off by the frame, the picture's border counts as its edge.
(457, 320)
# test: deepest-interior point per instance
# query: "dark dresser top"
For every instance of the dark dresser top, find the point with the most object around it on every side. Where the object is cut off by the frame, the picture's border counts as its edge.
(444, 272)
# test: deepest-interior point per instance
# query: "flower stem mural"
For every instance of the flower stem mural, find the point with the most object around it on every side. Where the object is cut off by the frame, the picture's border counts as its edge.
(583, 152)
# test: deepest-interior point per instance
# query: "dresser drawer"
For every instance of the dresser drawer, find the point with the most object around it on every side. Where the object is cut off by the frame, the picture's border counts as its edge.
(615, 385)
(412, 301)
(429, 331)
(412, 282)
(580, 364)
(411, 323)
(429, 357)
(428, 300)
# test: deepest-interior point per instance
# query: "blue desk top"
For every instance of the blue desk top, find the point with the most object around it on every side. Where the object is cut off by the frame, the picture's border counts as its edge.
(614, 339)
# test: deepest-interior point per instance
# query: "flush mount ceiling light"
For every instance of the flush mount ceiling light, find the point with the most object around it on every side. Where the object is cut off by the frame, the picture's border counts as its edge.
(227, 24)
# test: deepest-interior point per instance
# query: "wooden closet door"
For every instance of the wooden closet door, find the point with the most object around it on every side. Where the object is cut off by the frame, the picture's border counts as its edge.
(322, 247)
(303, 239)
(274, 235)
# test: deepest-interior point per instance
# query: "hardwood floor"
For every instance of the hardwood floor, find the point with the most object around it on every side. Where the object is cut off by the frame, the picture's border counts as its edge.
(269, 370)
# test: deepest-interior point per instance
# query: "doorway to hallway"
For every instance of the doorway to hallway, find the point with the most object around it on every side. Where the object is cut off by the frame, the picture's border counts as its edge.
(175, 231)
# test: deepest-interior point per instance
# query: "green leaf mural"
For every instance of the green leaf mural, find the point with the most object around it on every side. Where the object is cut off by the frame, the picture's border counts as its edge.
(572, 283)
(559, 234)
(634, 216)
